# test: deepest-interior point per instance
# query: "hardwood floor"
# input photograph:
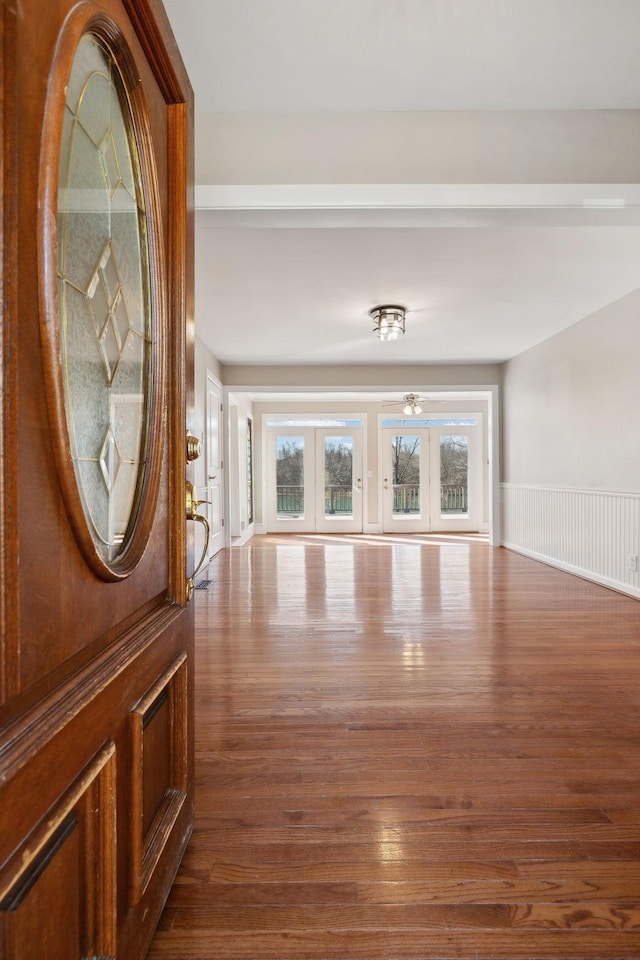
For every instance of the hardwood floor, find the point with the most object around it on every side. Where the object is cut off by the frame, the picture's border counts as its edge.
(410, 748)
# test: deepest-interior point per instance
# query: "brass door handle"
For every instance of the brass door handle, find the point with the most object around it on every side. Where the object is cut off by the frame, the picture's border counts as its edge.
(192, 504)
(194, 448)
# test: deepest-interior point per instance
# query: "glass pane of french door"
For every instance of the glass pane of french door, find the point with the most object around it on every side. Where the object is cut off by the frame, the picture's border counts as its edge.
(454, 475)
(289, 477)
(338, 477)
(405, 475)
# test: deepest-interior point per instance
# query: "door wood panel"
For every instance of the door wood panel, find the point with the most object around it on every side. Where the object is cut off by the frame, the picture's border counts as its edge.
(71, 848)
(96, 671)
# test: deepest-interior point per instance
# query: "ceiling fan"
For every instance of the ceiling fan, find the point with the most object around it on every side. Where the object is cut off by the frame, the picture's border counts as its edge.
(410, 403)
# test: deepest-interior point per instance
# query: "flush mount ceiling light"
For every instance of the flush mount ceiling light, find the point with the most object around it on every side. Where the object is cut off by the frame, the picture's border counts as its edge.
(389, 320)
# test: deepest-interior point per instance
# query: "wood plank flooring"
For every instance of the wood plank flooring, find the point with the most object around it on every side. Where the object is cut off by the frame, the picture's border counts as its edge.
(410, 748)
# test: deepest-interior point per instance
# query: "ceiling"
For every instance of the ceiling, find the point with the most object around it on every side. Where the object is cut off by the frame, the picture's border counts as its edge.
(286, 271)
(273, 56)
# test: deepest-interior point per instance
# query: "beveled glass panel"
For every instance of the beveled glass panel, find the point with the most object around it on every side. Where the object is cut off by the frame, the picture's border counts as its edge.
(94, 110)
(89, 60)
(127, 239)
(83, 212)
(84, 357)
(122, 154)
(104, 297)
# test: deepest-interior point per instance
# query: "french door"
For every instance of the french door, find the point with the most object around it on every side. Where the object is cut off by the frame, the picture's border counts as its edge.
(431, 478)
(315, 480)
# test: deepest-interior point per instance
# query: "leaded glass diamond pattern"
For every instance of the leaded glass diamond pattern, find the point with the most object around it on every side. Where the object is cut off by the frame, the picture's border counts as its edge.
(110, 460)
(109, 310)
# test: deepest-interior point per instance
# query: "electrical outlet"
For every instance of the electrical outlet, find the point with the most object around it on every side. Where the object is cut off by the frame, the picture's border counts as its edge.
(633, 561)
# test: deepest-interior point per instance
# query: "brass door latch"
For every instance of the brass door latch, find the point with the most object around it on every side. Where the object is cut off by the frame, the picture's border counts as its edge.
(191, 505)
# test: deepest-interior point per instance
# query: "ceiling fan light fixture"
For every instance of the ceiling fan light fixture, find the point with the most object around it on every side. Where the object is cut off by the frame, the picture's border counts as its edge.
(411, 405)
(389, 320)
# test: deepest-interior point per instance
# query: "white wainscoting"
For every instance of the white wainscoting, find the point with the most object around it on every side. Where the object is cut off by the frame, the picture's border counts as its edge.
(591, 533)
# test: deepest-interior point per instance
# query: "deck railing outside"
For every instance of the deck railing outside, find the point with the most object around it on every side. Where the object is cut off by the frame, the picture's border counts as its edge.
(289, 500)
(406, 498)
(454, 498)
(338, 500)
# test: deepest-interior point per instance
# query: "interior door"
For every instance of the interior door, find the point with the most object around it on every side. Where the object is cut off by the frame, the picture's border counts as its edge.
(96, 656)
(213, 445)
(315, 479)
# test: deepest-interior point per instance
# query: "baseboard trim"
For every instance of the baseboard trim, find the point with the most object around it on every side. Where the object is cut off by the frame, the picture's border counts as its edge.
(244, 537)
(576, 571)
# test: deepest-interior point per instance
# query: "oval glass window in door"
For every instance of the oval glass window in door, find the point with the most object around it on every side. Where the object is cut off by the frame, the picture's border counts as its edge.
(105, 326)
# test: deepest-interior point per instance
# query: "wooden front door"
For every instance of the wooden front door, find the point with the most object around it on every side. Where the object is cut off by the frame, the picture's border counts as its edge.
(96, 658)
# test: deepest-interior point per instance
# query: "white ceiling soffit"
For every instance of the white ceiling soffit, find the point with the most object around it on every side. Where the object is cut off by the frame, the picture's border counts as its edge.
(380, 195)
(396, 55)
(419, 205)
(390, 395)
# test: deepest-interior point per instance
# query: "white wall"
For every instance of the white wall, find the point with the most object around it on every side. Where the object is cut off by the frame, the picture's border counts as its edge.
(444, 146)
(368, 376)
(571, 447)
